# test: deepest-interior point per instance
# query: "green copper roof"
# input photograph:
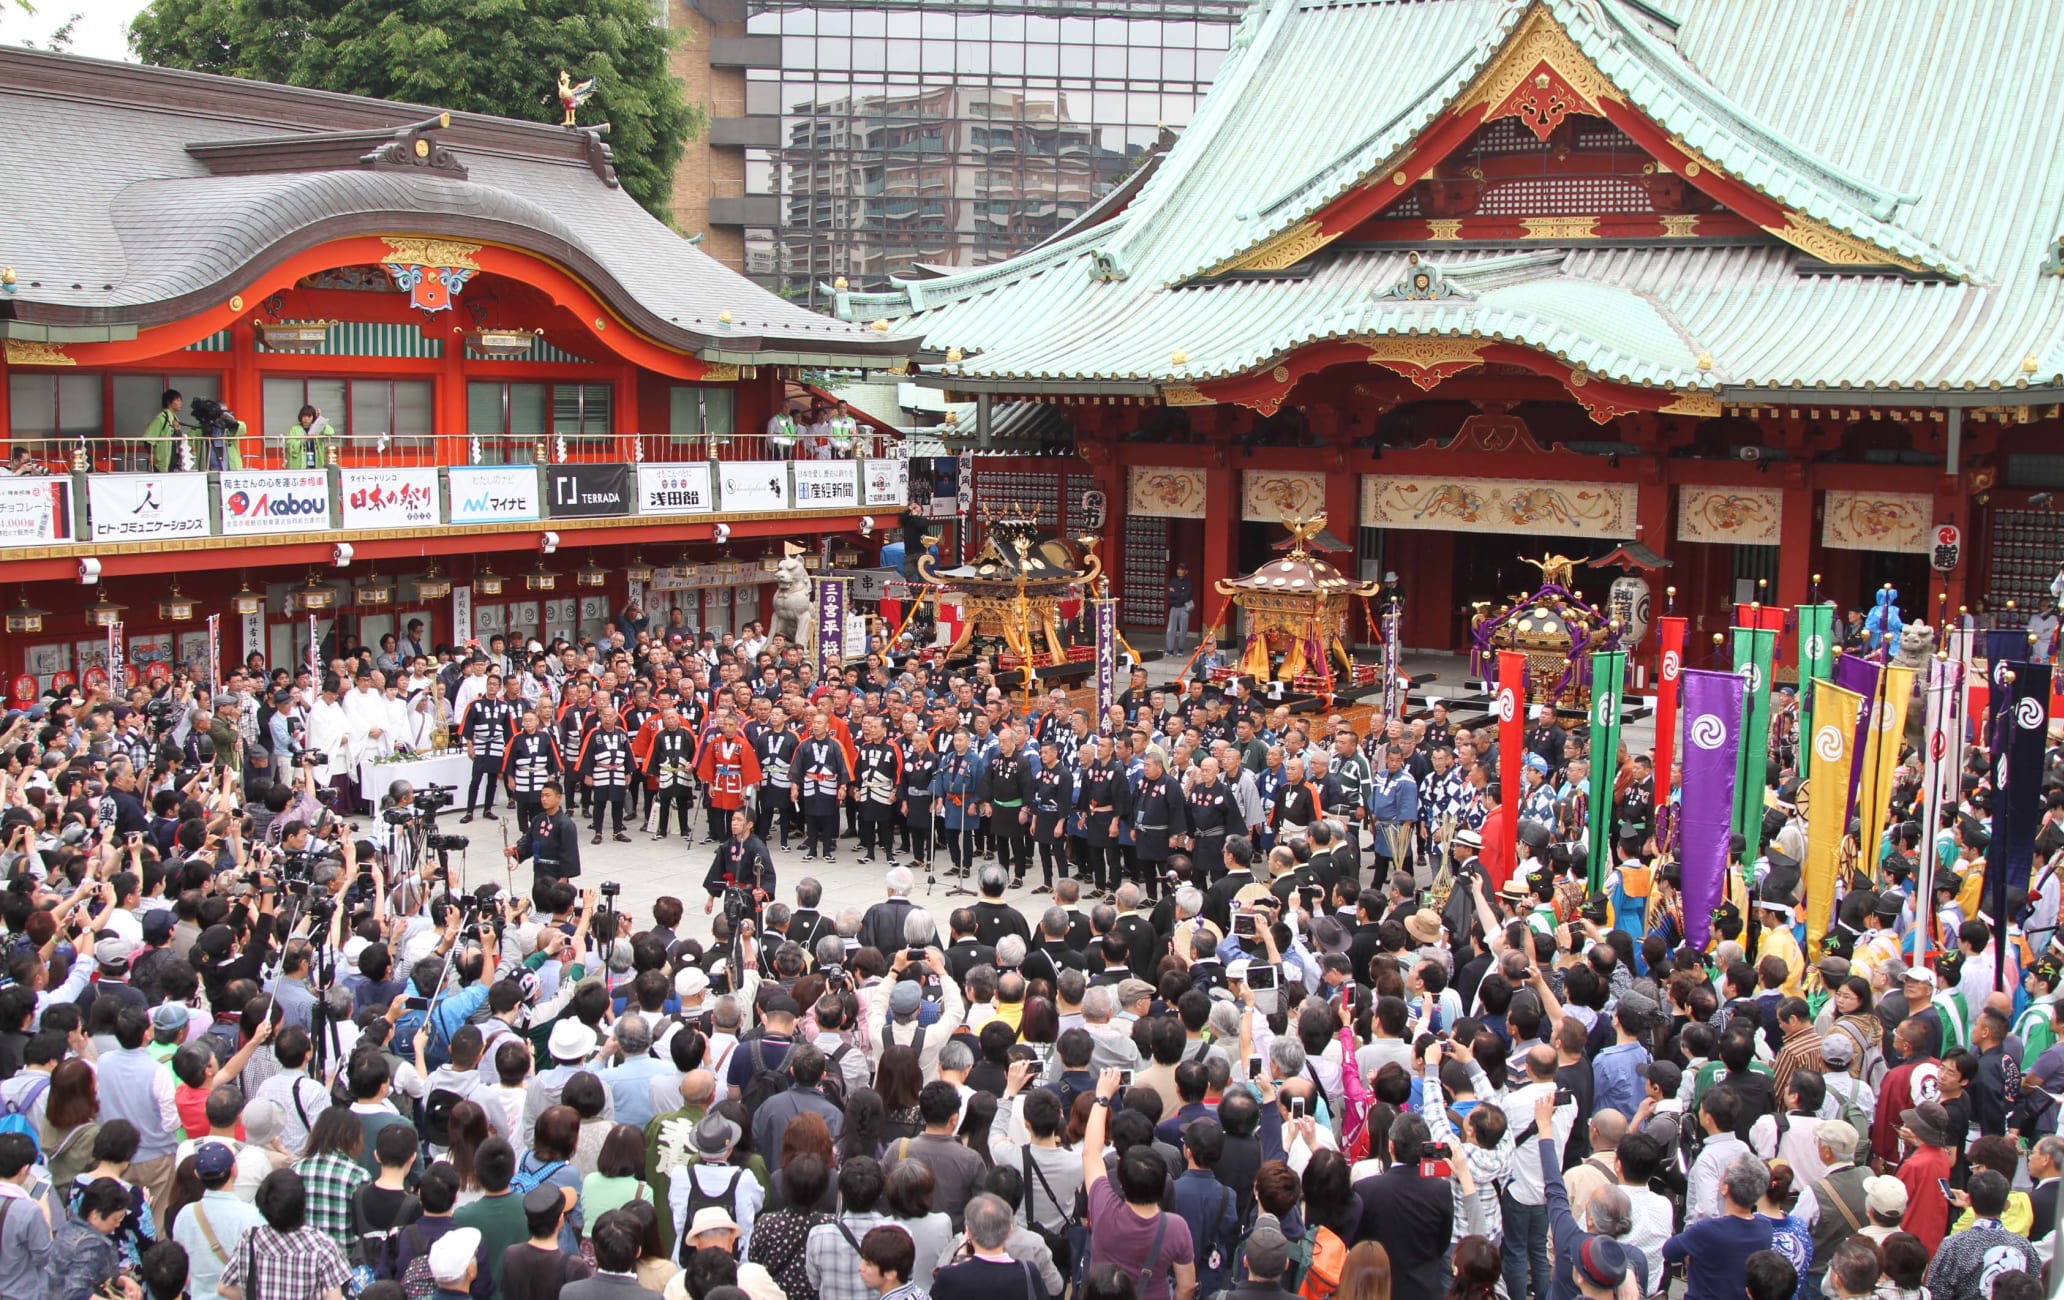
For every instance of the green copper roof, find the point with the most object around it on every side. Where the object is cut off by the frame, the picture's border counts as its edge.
(1932, 129)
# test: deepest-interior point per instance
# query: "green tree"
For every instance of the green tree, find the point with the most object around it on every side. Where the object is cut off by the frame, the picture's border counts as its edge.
(479, 56)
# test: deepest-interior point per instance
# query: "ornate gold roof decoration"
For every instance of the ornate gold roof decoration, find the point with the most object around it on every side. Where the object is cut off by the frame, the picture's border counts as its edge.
(24, 352)
(432, 254)
(1279, 252)
(1426, 359)
(1540, 77)
(1704, 405)
(1184, 395)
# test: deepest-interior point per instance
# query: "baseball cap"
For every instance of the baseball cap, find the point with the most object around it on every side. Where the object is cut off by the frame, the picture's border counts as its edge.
(113, 951)
(452, 1252)
(903, 999)
(1837, 1049)
(213, 1159)
(1885, 1195)
(1268, 1250)
(1919, 975)
(543, 1199)
(692, 982)
(169, 1017)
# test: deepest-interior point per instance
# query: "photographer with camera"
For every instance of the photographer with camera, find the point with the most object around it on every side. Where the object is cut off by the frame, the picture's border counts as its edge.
(551, 842)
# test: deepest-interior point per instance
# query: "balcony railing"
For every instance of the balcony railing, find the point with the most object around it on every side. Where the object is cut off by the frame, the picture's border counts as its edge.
(413, 451)
(250, 503)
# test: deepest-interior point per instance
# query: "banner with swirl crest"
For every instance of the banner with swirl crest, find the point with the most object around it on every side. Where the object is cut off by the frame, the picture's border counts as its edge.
(1268, 496)
(1828, 751)
(1878, 521)
(1164, 492)
(1749, 516)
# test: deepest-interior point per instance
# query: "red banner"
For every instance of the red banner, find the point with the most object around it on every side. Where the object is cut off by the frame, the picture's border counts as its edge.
(1511, 749)
(1670, 629)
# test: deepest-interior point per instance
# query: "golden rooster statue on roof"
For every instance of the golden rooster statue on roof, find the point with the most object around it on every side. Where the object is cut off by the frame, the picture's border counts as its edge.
(572, 94)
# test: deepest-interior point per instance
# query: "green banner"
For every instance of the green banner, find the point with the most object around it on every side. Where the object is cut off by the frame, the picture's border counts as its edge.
(1816, 664)
(1753, 649)
(1608, 682)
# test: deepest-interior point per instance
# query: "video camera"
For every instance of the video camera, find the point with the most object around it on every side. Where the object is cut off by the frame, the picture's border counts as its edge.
(480, 912)
(433, 799)
(738, 904)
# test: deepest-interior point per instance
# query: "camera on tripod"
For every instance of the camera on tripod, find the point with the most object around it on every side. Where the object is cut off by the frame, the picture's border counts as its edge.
(433, 799)
(312, 758)
(297, 867)
(438, 842)
(737, 902)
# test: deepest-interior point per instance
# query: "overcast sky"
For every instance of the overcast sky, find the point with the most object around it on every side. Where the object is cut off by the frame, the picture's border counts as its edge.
(102, 30)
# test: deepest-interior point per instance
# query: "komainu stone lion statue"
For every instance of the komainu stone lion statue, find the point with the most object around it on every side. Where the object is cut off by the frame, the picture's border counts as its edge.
(792, 604)
(1916, 650)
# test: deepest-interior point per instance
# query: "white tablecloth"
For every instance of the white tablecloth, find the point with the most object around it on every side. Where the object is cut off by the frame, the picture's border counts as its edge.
(452, 769)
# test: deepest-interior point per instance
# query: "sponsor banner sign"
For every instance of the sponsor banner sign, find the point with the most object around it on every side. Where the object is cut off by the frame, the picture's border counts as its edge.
(275, 501)
(1106, 656)
(1878, 521)
(1489, 505)
(826, 484)
(35, 510)
(389, 498)
(675, 489)
(588, 491)
(744, 485)
(146, 507)
(885, 483)
(1165, 493)
(493, 494)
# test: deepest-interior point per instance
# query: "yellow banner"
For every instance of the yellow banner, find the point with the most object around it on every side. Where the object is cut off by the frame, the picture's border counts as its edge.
(1880, 757)
(1827, 814)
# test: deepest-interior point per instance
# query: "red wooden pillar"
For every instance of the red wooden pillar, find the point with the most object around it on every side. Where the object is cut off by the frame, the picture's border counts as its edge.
(1221, 540)
(246, 387)
(1796, 547)
(1344, 520)
(1655, 512)
(453, 436)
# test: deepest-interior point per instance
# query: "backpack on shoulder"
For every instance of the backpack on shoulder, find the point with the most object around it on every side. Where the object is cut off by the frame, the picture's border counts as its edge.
(1328, 1258)
(766, 1081)
(14, 1117)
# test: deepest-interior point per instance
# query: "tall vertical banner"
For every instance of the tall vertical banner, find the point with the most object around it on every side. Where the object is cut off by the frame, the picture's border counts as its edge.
(1106, 613)
(1861, 675)
(314, 652)
(831, 624)
(2018, 805)
(1608, 682)
(1753, 648)
(1827, 818)
(117, 662)
(1670, 630)
(1511, 749)
(1713, 716)
(254, 635)
(1940, 759)
(1882, 741)
(214, 652)
(1393, 661)
(1816, 660)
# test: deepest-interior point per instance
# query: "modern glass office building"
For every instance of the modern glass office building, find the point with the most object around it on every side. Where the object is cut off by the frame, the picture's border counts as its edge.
(879, 138)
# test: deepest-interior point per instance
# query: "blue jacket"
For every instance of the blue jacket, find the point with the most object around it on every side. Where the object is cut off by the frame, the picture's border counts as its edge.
(954, 786)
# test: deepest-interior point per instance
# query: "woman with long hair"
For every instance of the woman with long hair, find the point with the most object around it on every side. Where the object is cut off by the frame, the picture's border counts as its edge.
(1330, 1200)
(1365, 1273)
(619, 1176)
(976, 1119)
(898, 1079)
(907, 1200)
(866, 1123)
(1039, 1022)
(810, 1199)
(549, 1163)
(1478, 1265)
(332, 1172)
(466, 1127)
(1856, 1018)
(585, 1093)
(186, 1189)
(71, 1121)
(806, 1135)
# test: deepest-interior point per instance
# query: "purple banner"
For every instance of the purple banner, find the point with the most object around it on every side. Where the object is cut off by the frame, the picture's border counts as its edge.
(1106, 656)
(1712, 743)
(831, 628)
(1856, 673)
